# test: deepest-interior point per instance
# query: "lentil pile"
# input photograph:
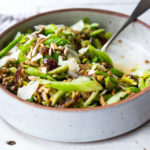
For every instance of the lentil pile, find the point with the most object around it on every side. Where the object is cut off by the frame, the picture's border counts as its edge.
(63, 66)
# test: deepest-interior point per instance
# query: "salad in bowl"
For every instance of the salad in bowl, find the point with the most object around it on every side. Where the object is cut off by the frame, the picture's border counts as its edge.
(63, 66)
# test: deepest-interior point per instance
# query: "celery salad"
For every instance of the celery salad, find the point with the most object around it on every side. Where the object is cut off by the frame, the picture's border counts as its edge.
(63, 66)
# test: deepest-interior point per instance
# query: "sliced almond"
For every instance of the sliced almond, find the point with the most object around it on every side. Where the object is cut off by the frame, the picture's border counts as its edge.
(102, 101)
(28, 62)
(44, 96)
(54, 46)
(43, 88)
(65, 51)
(99, 77)
(38, 43)
(50, 51)
(113, 92)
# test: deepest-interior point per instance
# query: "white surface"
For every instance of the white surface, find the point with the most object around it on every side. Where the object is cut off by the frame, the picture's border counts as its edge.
(136, 140)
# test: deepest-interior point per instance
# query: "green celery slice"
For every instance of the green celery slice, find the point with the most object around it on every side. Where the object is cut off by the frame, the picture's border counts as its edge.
(81, 84)
(91, 98)
(4, 51)
(103, 57)
(117, 97)
(56, 96)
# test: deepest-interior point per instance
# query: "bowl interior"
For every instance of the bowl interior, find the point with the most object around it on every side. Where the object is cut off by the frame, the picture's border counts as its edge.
(130, 49)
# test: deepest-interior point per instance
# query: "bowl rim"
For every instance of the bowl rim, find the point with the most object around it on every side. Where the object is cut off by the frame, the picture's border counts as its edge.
(128, 99)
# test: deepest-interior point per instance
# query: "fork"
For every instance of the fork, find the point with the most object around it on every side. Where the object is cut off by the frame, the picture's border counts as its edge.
(139, 10)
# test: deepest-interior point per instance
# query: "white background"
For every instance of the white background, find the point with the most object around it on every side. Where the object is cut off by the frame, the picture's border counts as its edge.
(138, 139)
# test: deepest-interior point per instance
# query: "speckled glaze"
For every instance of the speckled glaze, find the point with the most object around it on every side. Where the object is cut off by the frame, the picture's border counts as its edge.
(89, 124)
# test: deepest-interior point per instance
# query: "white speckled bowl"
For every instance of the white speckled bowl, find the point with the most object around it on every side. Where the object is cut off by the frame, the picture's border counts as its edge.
(89, 124)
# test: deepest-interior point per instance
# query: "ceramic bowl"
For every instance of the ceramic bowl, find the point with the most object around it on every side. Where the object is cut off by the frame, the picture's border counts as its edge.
(130, 50)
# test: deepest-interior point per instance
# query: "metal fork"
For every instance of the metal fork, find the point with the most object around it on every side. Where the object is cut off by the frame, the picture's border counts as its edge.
(139, 10)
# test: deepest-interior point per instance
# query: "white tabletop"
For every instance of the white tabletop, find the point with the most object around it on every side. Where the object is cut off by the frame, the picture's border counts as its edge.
(138, 139)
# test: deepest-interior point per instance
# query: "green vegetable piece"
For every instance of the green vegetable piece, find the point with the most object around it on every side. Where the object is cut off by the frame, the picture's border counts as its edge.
(107, 35)
(146, 74)
(85, 60)
(13, 69)
(86, 20)
(79, 104)
(4, 51)
(107, 96)
(117, 97)
(85, 42)
(95, 60)
(110, 82)
(33, 71)
(116, 72)
(44, 103)
(60, 69)
(94, 25)
(41, 60)
(128, 80)
(81, 84)
(98, 43)
(29, 31)
(50, 29)
(66, 33)
(24, 50)
(57, 40)
(23, 40)
(141, 83)
(101, 73)
(103, 57)
(96, 32)
(30, 100)
(60, 77)
(73, 53)
(147, 82)
(133, 89)
(56, 96)
(55, 55)
(91, 98)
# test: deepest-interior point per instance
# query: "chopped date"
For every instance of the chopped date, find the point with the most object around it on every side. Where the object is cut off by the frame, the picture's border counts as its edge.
(18, 74)
(50, 63)
(44, 51)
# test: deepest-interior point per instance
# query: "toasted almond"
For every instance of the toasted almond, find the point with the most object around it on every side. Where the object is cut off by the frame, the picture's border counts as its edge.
(65, 51)
(59, 30)
(28, 62)
(99, 77)
(113, 92)
(54, 46)
(50, 51)
(60, 48)
(38, 97)
(43, 88)
(44, 96)
(42, 27)
(63, 36)
(102, 101)
(85, 66)
(109, 73)
(38, 43)
(29, 56)
(51, 99)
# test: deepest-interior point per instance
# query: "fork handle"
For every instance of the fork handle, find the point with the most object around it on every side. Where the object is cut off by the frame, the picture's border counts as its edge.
(139, 10)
